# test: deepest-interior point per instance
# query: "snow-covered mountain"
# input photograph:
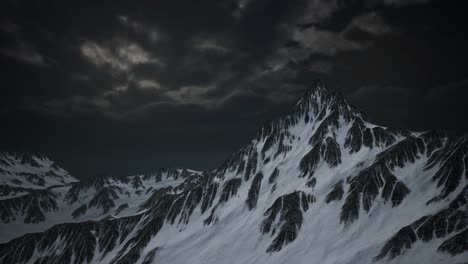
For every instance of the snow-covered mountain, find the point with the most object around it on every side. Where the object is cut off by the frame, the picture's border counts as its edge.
(319, 185)
(27, 207)
(31, 171)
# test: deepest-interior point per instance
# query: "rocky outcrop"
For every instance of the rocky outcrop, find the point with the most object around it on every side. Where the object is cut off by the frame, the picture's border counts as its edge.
(379, 179)
(80, 211)
(254, 190)
(450, 220)
(104, 198)
(456, 244)
(365, 188)
(359, 136)
(326, 149)
(323, 133)
(80, 242)
(336, 193)
(289, 208)
(230, 189)
(273, 176)
(454, 159)
(32, 206)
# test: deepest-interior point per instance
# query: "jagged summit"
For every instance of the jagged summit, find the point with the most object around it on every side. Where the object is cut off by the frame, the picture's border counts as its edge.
(318, 104)
(320, 184)
(314, 104)
(318, 96)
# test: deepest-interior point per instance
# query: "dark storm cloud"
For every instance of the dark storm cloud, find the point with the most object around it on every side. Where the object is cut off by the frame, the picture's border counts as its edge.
(15, 47)
(171, 79)
(189, 53)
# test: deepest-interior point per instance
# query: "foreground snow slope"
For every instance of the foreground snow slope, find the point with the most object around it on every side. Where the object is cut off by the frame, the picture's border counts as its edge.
(320, 185)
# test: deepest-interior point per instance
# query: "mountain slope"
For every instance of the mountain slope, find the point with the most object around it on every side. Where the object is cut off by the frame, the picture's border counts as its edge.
(26, 210)
(32, 171)
(319, 185)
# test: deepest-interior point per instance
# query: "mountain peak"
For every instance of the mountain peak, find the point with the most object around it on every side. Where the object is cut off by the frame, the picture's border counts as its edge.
(319, 98)
(318, 179)
(317, 104)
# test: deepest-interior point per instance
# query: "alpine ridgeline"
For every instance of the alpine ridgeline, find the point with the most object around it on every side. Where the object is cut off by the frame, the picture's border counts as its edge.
(319, 185)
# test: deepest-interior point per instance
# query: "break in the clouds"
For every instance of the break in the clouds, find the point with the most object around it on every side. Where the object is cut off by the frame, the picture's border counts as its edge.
(159, 65)
(118, 56)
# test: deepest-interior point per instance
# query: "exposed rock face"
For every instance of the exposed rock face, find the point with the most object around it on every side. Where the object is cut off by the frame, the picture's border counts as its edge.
(328, 150)
(230, 189)
(454, 159)
(318, 182)
(309, 162)
(81, 239)
(456, 244)
(33, 171)
(7, 190)
(104, 199)
(32, 206)
(254, 190)
(450, 220)
(336, 193)
(361, 136)
(366, 187)
(209, 197)
(120, 208)
(80, 211)
(289, 208)
(105, 191)
(273, 176)
(137, 182)
(379, 179)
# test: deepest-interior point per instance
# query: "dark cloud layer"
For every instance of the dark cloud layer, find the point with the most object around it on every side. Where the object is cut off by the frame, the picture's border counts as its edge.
(122, 87)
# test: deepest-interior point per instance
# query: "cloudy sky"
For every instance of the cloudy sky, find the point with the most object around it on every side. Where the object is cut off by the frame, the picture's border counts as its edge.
(121, 87)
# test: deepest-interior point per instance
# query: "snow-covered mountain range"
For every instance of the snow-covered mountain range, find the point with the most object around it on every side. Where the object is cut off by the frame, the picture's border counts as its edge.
(319, 185)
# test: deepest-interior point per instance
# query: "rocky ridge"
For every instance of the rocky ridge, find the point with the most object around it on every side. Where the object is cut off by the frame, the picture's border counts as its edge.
(320, 179)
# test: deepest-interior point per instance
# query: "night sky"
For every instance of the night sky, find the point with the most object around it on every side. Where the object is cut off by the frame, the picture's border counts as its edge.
(121, 87)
